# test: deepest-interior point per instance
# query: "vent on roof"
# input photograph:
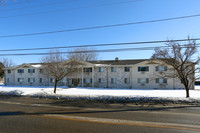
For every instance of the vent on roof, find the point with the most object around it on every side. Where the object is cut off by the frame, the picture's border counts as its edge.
(116, 59)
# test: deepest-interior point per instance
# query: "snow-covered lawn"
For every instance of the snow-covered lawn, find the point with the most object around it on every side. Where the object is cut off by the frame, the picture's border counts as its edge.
(99, 92)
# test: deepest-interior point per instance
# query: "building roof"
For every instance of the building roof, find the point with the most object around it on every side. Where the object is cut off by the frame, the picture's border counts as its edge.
(118, 62)
(99, 62)
(108, 62)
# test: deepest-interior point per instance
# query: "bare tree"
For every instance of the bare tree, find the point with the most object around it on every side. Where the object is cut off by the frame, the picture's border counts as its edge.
(1, 69)
(183, 59)
(82, 54)
(55, 65)
(2, 2)
(7, 62)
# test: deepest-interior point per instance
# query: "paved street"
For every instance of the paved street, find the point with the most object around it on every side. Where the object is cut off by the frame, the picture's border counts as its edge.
(30, 115)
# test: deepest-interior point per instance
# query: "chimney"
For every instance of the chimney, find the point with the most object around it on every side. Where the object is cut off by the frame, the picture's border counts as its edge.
(116, 59)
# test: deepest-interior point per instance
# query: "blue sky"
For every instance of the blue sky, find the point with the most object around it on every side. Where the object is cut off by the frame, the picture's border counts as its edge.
(55, 19)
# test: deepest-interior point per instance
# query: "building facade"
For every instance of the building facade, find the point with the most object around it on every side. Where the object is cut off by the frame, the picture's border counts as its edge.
(137, 74)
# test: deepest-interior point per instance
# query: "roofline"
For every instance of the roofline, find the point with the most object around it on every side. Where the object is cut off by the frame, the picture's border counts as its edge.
(121, 60)
(16, 67)
(88, 63)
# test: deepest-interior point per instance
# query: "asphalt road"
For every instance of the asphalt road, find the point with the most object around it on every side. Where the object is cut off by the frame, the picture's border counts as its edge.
(32, 115)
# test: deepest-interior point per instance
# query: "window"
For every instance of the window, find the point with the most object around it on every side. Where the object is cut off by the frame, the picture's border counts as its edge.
(143, 68)
(113, 69)
(20, 70)
(62, 80)
(161, 68)
(8, 80)
(31, 70)
(79, 81)
(41, 70)
(87, 69)
(41, 80)
(9, 71)
(113, 80)
(101, 80)
(31, 80)
(126, 80)
(127, 69)
(52, 80)
(68, 80)
(87, 80)
(143, 80)
(20, 80)
(161, 80)
(100, 69)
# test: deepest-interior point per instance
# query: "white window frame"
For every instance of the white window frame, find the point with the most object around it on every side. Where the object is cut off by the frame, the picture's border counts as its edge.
(129, 69)
(143, 80)
(52, 80)
(31, 70)
(127, 80)
(9, 71)
(31, 80)
(113, 80)
(101, 69)
(68, 80)
(41, 70)
(20, 80)
(63, 80)
(41, 80)
(100, 80)
(87, 69)
(161, 80)
(161, 68)
(113, 69)
(142, 67)
(87, 80)
(22, 70)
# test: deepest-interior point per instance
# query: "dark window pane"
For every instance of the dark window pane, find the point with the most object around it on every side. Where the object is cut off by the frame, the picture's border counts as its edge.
(127, 69)
(146, 68)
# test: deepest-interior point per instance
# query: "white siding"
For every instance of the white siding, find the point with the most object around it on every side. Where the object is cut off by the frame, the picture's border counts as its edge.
(133, 75)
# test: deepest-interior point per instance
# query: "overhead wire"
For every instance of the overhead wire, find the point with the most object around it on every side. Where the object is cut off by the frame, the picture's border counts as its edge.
(100, 27)
(87, 51)
(103, 44)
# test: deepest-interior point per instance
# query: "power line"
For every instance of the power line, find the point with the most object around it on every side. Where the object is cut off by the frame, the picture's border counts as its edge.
(108, 50)
(98, 45)
(98, 51)
(99, 27)
(69, 9)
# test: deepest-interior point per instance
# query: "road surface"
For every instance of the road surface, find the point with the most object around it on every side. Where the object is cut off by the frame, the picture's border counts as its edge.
(33, 115)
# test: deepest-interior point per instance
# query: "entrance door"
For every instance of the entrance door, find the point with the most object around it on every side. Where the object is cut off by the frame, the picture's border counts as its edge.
(75, 82)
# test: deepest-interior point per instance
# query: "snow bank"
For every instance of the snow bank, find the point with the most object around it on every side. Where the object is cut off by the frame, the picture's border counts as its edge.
(100, 93)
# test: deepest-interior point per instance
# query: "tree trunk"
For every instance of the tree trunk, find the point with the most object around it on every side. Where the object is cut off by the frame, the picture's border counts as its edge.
(187, 92)
(55, 86)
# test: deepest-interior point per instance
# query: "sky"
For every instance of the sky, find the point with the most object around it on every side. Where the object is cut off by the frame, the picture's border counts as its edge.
(32, 16)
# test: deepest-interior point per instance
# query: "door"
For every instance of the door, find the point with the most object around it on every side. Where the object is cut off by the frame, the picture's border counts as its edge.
(75, 82)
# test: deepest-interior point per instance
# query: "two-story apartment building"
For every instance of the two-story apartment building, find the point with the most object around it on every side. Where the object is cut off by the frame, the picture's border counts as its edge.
(138, 74)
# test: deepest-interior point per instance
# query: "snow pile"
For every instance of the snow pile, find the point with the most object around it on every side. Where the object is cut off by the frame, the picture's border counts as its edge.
(197, 87)
(14, 92)
(37, 66)
(100, 93)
